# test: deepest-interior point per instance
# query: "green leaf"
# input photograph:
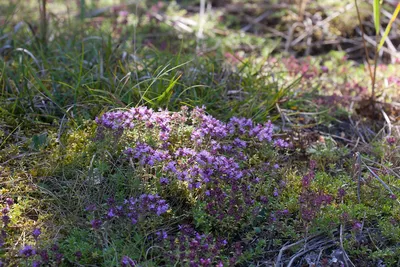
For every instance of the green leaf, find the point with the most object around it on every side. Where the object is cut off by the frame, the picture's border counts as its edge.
(39, 141)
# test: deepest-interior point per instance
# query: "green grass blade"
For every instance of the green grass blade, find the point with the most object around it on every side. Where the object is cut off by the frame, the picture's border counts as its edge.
(166, 94)
(377, 19)
(389, 26)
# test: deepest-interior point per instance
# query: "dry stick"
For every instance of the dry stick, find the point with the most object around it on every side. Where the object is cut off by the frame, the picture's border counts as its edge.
(384, 49)
(390, 46)
(355, 128)
(309, 29)
(256, 20)
(278, 259)
(375, 68)
(283, 116)
(19, 156)
(26, 51)
(346, 258)
(290, 35)
(201, 22)
(322, 250)
(388, 122)
(381, 181)
(389, 169)
(315, 246)
(320, 24)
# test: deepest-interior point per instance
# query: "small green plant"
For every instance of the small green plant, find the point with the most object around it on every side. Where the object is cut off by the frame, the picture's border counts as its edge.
(379, 43)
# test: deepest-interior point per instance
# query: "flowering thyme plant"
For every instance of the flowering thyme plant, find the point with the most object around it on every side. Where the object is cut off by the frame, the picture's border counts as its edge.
(220, 172)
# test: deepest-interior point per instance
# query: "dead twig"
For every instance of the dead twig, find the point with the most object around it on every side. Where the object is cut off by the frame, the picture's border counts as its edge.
(381, 181)
(257, 20)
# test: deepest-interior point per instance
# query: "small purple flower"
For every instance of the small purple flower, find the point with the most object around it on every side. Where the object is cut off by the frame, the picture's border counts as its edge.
(6, 219)
(59, 258)
(44, 255)
(91, 207)
(36, 233)
(357, 226)
(36, 264)
(162, 234)
(111, 213)
(78, 255)
(276, 166)
(264, 199)
(341, 192)
(111, 201)
(284, 212)
(324, 69)
(123, 13)
(276, 193)
(54, 247)
(171, 167)
(239, 143)
(27, 251)
(205, 262)
(162, 209)
(5, 210)
(313, 164)
(391, 140)
(9, 201)
(164, 181)
(392, 196)
(281, 143)
(96, 223)
(127, 262)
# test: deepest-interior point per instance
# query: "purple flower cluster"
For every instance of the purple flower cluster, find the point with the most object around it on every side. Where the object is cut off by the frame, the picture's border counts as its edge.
(42, 257)
(206, 126)
(206, 157)
(133, 209)
(310, 201)
(244, 126)
(119, 120)
(306, 180)
(5, 218)
(146, 154)
(145, 204)
(27, 251)
(141, 117)
(311, 204)
(5, 211)
(191, 248)
(281, 143)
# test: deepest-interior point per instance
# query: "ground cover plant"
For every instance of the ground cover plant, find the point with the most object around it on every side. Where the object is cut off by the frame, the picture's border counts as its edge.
(191, 134)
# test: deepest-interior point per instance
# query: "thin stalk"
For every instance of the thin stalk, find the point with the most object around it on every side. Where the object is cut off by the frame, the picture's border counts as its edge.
(43, 22)
(365, 44)
(375, 67)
